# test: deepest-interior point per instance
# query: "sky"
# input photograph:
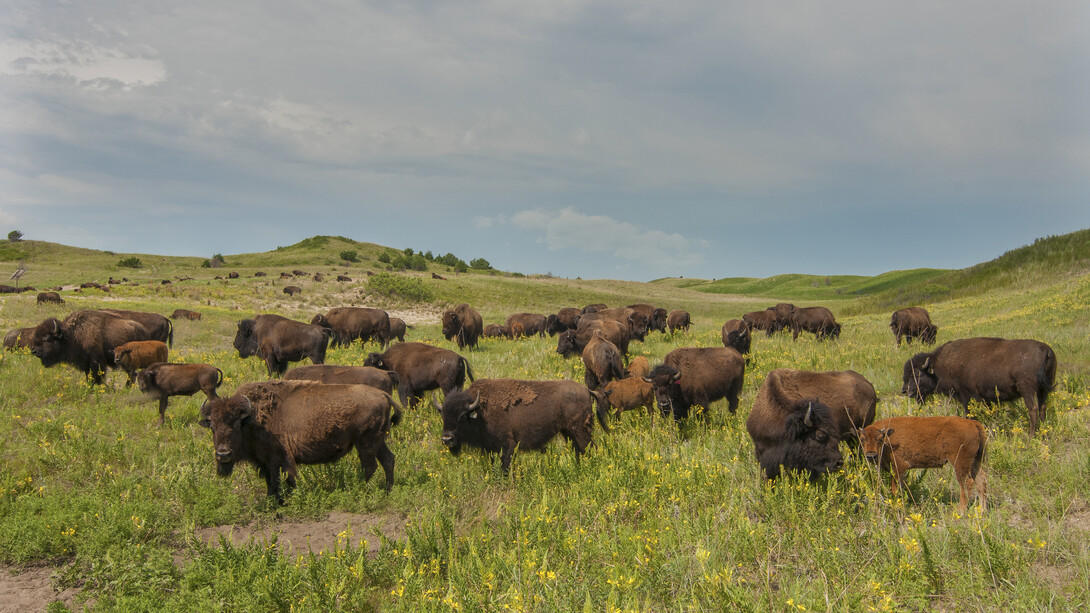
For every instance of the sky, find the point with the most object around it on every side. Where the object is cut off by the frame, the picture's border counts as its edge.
(618, 139)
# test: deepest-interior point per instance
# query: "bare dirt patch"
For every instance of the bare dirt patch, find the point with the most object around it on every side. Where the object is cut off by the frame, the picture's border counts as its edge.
(298, 538)
(25, 590)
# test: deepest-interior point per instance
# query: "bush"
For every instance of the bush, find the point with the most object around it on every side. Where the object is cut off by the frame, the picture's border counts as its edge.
(15, 236)
(384, 257)
(130, 262)
(350, 255)
(409, 289)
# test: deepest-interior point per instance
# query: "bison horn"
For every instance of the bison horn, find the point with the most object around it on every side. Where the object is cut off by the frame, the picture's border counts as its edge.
(677, 377)
(808, 420)
(475, 402)
(435, 403)
(56, 326)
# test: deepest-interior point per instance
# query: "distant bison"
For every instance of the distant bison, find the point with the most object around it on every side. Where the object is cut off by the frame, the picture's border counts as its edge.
(462, 325)
(136, 355)
(572, 342)
(318, 277)
(84, 340)
(277, 425)
(495, 331)
(636, 322)
(358, 375)
(566, 318)
(817, 320)
(351, 323)
(279, 340)
(398, 328)
(185, 314)
(343, 278)
(292, 290)
(988, 370)
(904, 443)
(761, 320)
(735, 334)
(913, 322)
(259, 274)
(785, 312)
(163, 380)
(49, 298)
(678, 320)
(532, 324)
(501, 415)
(697, 376)
(232, 275)
(656, 316)
(421, 367)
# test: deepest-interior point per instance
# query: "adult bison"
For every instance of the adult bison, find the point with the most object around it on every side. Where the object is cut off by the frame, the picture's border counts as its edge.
(678, 320)
(496, 331)
(292, 290)
(350, 323)
(735, 334)
(761, 320)
(800, 436)
(572, 342)
(185, 314)
(913, 322)
(163, 380)
(279, 340)
(84, 340)
(463, 325)
(354, 375)
(634, 320)
(602, 360)
(850, 397)
(784, 311)
(397, 330)
(532, 324)
(49, 298)
(421, 367)
(158, 326)
(277, 425)
(566, 318)
(656, 316)
(19, 338)
(989, 370)
(817, 320)
(500, 415)
(697, 376)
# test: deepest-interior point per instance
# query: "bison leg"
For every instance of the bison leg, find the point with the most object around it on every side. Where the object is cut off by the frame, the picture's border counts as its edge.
(162, 408)
(386, 458)
(505, 457)
(368, 461)
(1035, 410)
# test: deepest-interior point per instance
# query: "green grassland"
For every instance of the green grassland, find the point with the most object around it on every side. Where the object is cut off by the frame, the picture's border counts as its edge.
(655, 517)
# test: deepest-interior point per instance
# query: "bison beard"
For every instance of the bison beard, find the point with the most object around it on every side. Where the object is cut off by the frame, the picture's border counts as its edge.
(805, 445)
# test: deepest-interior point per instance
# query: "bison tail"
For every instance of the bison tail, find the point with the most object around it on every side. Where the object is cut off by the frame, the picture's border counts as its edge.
(395, 418)
(468, 369)
(219, 381)
(170, 334)
(601, 409)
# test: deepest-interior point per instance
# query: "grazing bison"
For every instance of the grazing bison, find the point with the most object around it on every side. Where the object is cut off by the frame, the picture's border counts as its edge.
(603, 362)
(697, 375)
(638, 367)
(397, 330)
(421, 367)
(356, 375)
(656, 317)
(532, 323)
(285, 275)
(495, 331)
(631, 393)
(318, 277)
(136, 355)
(158, 326)
(572, 342)
(232, 275)
(800, 436)
(49, 298)
(990, 370)
(850, 397)
(292, 290)
(350, 323)
(277, 425)
(735, 334)
(18, 338)
(299, 273)
(678, 320)
(566, 318)
(500, 415)
(344, 278)
(784, 312)
(185, 314)
(904, 443)
(817, 320)
(259, 274)
(279, 340)
(463, 325)
(84, 340)
(635, 321)
(913, 322)
(761, 320)
(163, 380)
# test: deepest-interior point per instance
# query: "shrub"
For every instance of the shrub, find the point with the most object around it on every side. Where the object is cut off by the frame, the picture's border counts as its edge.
(15, 236)
(384, 257)
(130, 262)
(409, 289)
(349, 255)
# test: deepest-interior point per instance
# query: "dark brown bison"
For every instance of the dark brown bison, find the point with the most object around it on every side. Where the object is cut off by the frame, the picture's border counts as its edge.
(697, 376)
(344, 278)
(277, 425)
(761, 320)
(185, 314)
(292, 290)
(913, 322)
(566, 318)
(656, 316)
(84, 340)
(817, 320)
(421, 367)
(136, 355)
(594, 307)
(500, 415)
(800, 436)
(462, 325)
(572, 342)
(318, 277)
(784, 312)
(279, 340)
(678, 320)
(350, 323)
(495, 331)
(989, 370)
(904, 443)
(232, 275)
(355, 375)
(850, 397)
(159, 327)
(18, 338)
(635, 321)
(397, 329)
(735, 334)
(49, 298)
(532, 323)
(299, 273)
(285, 275)
(163, 380)
(259, 274)
(602, 360)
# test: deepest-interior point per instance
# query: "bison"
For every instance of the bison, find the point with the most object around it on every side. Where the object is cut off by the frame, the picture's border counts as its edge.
(277, 425)
(421, 367)
(678, 320)
(913, 322)
(904, 443)
(500, 415)
(634, 320)
(849, 396)
(158, 326)
(185, 314)
(163, 380)
(136, 355)
(49, 298)
(495, 331)
(784, 312)
(331, 373)
(292, 290)
(735, 334)
(343, 279)
(19, 338)
(572, 342)
(279, 340)
(638, 367)
(630, 393)
(990, 370)
(84, 340)
(800, 436)
(350, 323)
(532, 323)
(463, 325)
(697, 375)
(566, 318)
(656, 316)
(817, 320)
(602, 360)
(397, 330)
(762, 320)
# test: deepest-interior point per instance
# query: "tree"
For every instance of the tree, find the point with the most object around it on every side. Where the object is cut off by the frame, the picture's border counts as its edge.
(15, 236)
(350, 256)
(480, 264)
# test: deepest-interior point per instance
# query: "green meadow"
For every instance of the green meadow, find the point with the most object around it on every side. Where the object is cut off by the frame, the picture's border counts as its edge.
(655, 517)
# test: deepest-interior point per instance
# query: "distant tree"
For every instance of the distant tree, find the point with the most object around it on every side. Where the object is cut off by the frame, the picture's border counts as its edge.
(428, 256)
(384, 257)
(408, 252)
(449, 259)
(350, 255)
(460, 266)
(480, 264)
(15, 236)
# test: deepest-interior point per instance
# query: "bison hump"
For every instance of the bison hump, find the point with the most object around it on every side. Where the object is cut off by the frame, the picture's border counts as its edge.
(507, 393)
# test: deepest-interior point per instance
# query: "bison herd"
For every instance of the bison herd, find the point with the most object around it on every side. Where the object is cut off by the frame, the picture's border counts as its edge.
(318, 412)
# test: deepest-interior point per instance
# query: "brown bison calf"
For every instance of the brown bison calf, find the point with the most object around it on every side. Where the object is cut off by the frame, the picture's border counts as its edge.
(163, 380)
(638, 367)
(631, 393)
(929, 442)
(135, 355)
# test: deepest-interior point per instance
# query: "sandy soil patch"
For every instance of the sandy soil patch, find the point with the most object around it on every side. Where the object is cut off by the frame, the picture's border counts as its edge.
(31, 590)
(297, 538)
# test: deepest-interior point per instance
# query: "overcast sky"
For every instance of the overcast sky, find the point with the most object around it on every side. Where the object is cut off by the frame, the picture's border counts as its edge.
(622, 139)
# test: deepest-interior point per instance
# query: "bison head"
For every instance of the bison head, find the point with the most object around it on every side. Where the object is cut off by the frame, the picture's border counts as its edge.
(459, 408)
(810, 442)
(638, 324)
(145, 379)
(658, 319)
(565, 343)
(227, 417)
(375, 360)
(48, 341)
(451, 324)
(666, 379)
(553, 325)
(245, 341)
(874, 441)
(919, 377)
(929, 334)
(320, 320)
